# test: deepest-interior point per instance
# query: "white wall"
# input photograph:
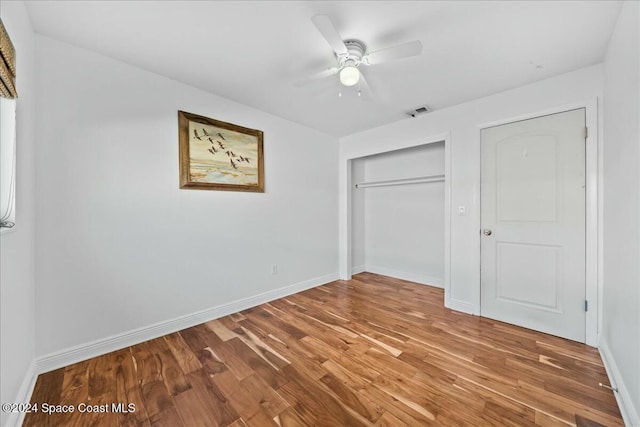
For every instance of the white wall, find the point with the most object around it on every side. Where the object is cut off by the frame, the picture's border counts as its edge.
(463, 123)
(358, 218)
(120, 246)
(620, 336)
(404, 225)
(17, 245)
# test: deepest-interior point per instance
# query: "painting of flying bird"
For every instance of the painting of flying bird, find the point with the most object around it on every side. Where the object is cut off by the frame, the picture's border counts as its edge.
(216, 155)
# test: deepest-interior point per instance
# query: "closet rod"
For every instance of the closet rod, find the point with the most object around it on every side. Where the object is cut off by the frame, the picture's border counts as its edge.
(416, 180)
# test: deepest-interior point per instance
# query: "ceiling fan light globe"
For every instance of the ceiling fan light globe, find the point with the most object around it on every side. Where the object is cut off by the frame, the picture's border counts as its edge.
(349, 76)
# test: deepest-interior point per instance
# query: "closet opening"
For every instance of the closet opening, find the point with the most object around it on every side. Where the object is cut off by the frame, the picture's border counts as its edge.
(399, 214)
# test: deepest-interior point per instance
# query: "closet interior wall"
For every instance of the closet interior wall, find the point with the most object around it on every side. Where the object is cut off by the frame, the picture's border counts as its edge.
(398, 230)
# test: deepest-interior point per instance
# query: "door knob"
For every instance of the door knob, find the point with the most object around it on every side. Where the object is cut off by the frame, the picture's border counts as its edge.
(486, 232)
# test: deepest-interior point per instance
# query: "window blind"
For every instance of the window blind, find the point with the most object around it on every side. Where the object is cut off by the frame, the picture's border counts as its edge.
(7, 130)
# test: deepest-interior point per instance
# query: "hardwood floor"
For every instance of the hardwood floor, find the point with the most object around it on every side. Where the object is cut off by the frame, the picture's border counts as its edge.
(370, 351)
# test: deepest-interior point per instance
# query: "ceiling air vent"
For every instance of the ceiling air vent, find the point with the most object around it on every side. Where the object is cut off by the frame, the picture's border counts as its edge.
(420, 110)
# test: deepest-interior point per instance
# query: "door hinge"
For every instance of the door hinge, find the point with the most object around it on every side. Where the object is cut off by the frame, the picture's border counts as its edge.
(586, 132)
(586, 305)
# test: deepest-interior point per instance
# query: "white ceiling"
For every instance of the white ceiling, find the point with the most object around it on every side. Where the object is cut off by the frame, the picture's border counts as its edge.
(252, 52)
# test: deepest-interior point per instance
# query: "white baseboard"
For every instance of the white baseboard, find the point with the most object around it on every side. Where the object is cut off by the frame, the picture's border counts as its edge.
(24, 395)
(358, 269)
(101, 346)
(625, 403)
(423, 279)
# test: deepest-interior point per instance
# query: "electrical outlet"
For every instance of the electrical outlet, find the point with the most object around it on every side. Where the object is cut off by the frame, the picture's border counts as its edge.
(462, 210)
(274, 268)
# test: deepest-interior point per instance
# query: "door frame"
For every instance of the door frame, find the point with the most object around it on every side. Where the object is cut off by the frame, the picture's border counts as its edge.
(593, 208)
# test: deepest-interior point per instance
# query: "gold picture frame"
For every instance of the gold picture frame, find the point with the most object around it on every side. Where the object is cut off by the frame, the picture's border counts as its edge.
(216, 155)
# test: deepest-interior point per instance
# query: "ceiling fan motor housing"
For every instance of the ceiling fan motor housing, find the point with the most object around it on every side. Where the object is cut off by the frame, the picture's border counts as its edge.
(355, 52)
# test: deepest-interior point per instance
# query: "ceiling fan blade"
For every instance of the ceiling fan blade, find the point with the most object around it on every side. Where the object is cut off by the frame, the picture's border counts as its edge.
(329, 32)
(400, 51)
(317, 76)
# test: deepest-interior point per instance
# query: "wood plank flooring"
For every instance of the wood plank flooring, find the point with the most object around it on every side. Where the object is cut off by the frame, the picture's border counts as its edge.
(369, 351)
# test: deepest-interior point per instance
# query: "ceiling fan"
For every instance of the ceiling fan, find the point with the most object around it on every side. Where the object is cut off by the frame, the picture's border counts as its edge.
(352, 53)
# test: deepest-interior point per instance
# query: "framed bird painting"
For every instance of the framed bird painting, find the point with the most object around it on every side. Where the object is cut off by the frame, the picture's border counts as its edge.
(216, 155)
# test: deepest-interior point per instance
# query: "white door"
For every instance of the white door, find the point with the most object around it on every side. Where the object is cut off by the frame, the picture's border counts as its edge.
(533, 224)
